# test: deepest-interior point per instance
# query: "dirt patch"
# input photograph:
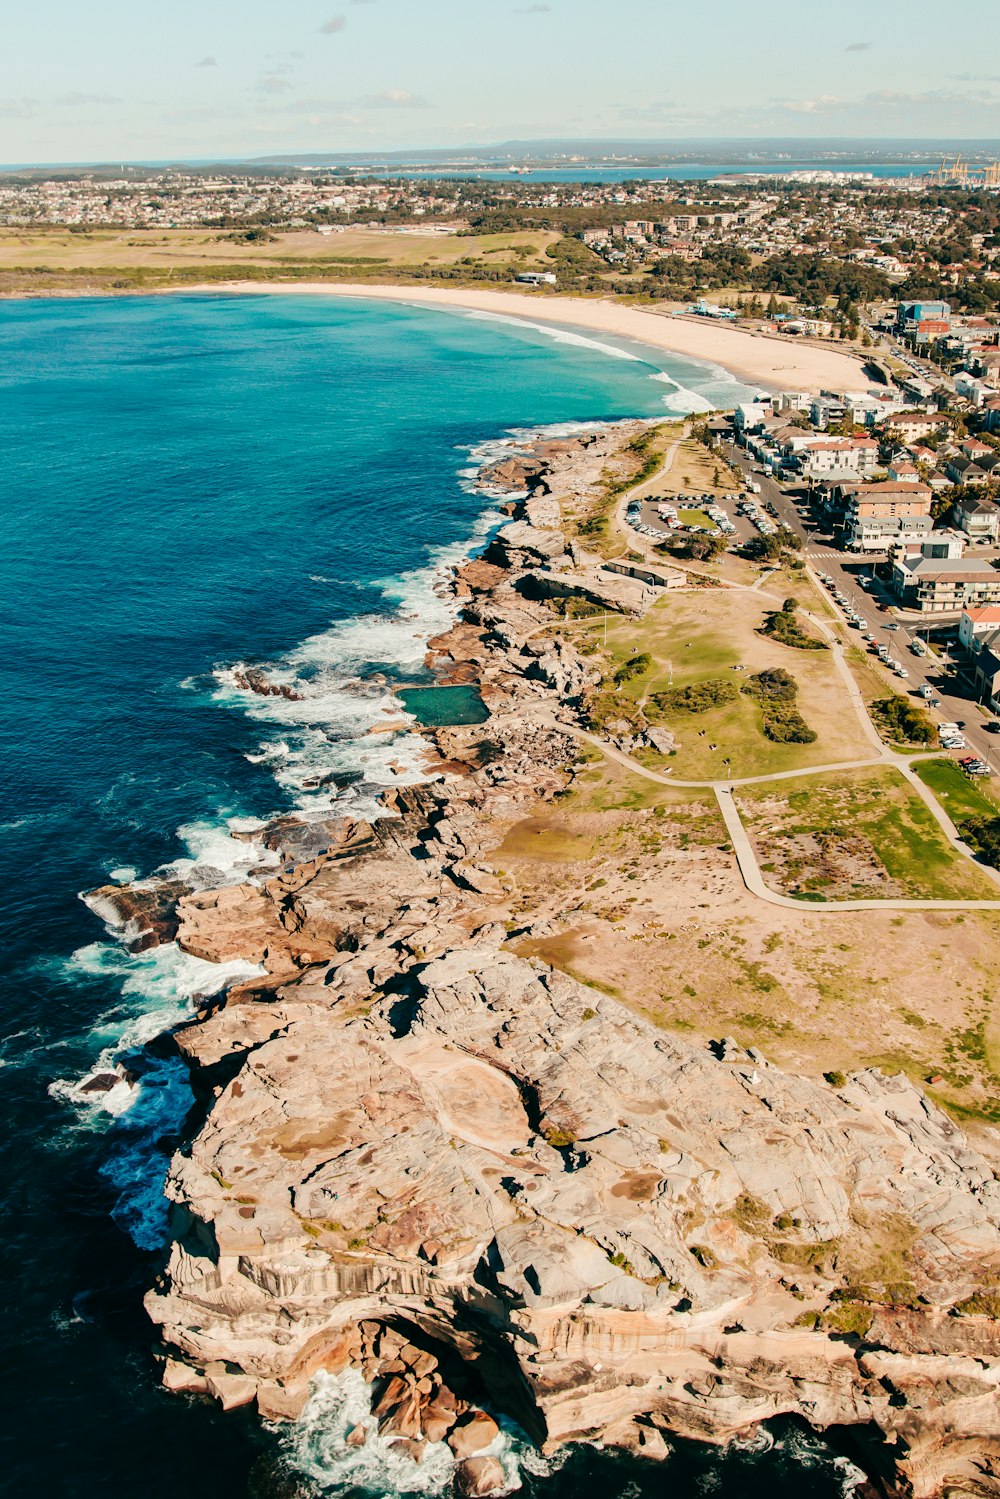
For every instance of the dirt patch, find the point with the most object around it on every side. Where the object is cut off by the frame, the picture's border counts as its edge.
(837, 864)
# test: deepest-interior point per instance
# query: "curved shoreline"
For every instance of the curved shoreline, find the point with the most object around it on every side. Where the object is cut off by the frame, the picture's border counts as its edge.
(753, 358)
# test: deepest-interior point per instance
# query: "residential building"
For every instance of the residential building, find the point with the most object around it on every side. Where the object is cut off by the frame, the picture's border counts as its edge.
(751, 414)
(977, 626)
(979, 519)
(970, 389)
(933, 586)
(882, 517)
(839, 456)
(917, 388)
(826, 408)
(912, 425)
(887, 533)
(986, 673)
(943, 543)
(962, 470)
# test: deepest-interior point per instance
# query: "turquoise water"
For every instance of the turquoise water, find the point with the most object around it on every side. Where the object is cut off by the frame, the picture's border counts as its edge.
(191, 485)
(434, 706)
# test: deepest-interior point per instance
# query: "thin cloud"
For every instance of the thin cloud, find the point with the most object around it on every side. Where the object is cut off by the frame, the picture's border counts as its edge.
(81, 101)
(661, 109)
(532, 10)
(275, 80)
(208, 62)
(858, 47)
(331, 27)
(393, 98)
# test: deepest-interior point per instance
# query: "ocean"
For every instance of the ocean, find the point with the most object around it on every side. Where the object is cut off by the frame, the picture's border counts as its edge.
(190, 483)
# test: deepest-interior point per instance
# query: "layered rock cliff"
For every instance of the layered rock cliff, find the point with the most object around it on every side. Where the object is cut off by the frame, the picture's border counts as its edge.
(486, 1185)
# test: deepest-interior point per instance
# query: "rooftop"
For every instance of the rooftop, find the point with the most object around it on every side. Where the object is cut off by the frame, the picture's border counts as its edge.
(952, 570)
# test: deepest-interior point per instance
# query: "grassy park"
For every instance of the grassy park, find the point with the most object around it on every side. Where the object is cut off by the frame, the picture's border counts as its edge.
(698, 636)
(137, 259)
(861, 833)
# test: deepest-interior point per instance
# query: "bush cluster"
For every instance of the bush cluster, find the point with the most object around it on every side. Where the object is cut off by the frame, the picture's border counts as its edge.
(899, 719)
(775, 691)
(694, 546)
(634, 667)
(983, 833)
(697, 697)
(783, 625)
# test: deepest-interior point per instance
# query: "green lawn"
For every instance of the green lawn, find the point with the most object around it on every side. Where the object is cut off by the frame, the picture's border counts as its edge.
(878, 805)
(693, 636)
(960, 795)
(696, 518)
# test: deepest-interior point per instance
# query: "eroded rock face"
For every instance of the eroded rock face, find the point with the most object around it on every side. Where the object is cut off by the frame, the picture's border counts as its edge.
(480, 1183)
(145, 914)
(630, 1222)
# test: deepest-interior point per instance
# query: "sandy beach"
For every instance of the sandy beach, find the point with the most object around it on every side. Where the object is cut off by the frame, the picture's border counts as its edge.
(772, 363)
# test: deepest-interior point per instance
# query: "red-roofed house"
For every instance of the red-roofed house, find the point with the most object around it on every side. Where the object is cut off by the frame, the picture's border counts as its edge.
(975, 624)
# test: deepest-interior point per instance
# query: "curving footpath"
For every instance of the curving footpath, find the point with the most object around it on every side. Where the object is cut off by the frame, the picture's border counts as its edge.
(746, 855)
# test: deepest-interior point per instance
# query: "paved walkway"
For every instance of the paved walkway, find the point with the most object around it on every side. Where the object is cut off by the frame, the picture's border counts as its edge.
(746, 856)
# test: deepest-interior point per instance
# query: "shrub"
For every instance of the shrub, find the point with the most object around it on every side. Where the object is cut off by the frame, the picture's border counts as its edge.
(985, 1303)
(775, 691)
(773, 685)
(695, 546)
(605, 708)
(835, 1079)
(896, 718)
(984, 834)
(697, 697)
(783, 625)
(634, 667)
(849, 1317)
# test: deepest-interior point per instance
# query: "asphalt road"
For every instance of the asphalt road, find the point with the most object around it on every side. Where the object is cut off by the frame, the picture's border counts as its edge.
(957, 705)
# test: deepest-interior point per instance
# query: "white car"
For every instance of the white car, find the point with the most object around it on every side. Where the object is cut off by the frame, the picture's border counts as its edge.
(901, 671)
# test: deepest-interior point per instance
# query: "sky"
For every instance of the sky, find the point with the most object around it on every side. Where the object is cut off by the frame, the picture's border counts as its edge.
(130, 80)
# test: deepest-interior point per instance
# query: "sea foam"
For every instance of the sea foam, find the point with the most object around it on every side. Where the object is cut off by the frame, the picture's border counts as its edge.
(317, 1447)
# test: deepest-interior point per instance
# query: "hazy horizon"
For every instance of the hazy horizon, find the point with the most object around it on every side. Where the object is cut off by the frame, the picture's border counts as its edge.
(226, 82)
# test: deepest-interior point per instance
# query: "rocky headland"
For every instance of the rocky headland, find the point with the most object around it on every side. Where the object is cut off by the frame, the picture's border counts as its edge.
(496, 1191)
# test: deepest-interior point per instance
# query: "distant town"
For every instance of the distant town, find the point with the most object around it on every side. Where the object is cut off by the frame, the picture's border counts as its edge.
(738, 242)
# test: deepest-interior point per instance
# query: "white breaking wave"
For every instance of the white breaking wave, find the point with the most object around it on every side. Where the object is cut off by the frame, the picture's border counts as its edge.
(214, 857)
(555, 332)
(317, 1447)
(144, 1113)
(157, 990)
(684, 401)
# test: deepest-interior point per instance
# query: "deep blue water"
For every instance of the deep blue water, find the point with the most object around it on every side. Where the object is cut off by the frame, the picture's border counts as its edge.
(187, 483)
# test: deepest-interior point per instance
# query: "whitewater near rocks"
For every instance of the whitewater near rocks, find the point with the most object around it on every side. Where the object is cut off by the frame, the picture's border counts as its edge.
(492, 1192)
